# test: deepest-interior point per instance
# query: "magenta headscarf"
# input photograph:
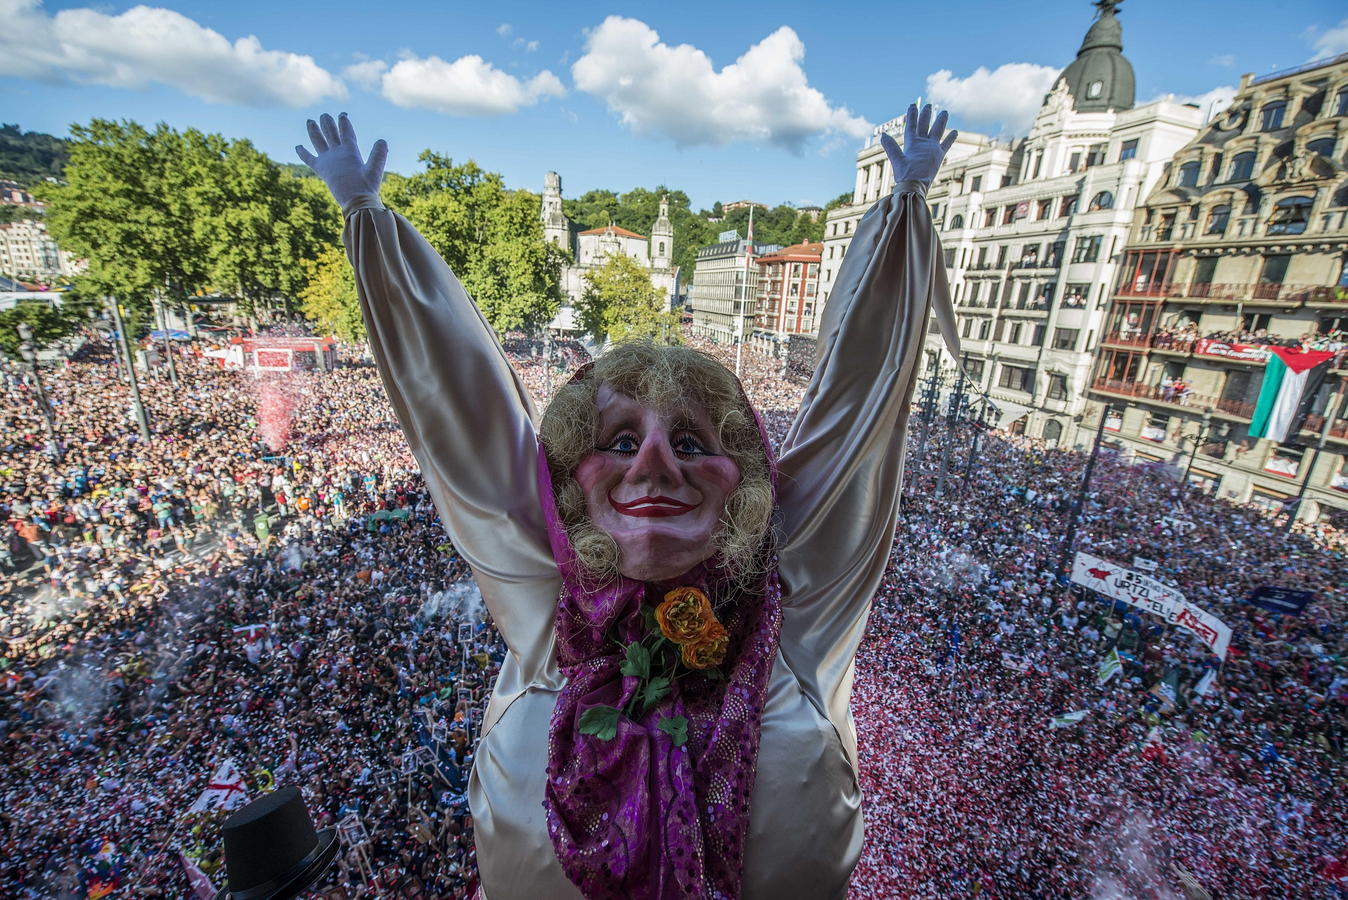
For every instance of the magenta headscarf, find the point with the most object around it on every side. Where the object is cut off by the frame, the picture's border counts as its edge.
(635, 817)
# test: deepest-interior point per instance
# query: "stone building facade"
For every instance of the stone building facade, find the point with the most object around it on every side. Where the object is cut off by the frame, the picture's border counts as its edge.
(590, 248)
(1033, 228)
(724, 294)
(28, 253)
(1244, 245)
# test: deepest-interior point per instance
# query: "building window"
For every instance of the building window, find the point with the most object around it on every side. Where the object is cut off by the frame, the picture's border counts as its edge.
(977, 183)
(1037, 338)
(989, 218)
(1057, 386)
(1274, 271)
(1270, 117)
(1042, 212)
(984, 326)
(1069, 206)
(1094, 90)
(1216, 171)
(1341, 102)
(968, 327)
(1128, 150)
(1321, 146)
(1102, 200)
(1188, 174)
(1016, 378)
(1065, 338)
(1087, 248)
(1009, 214)
(1014, 336)
(1242, 167)
(1218, 218)
(1290, 215)
(957, 222)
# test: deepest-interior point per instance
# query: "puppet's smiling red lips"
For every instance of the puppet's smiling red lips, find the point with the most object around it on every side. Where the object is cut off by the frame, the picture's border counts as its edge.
(652, 506)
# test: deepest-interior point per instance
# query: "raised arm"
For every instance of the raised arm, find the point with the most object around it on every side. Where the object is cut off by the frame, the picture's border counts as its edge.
(842, 461)
(463, 410)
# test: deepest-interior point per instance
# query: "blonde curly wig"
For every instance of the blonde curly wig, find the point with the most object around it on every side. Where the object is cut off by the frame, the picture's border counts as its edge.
(675, 380)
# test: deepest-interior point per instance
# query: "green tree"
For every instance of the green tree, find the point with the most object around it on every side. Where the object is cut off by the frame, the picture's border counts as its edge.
(178, 213)
(620, 302)
(49, 324)
(329, 298)
(491, 237)
(30, 157)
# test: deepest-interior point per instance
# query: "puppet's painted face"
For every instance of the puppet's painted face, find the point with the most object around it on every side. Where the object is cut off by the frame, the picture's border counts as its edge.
(657, 484)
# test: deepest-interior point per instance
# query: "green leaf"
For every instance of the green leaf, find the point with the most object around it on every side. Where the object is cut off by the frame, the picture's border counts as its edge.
(652, 623)
(638, 662)
(655, 690)
(677, 729)
(600, 721)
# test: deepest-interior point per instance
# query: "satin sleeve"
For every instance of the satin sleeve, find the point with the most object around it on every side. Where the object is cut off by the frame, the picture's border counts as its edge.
(842, 460)
(467, 418)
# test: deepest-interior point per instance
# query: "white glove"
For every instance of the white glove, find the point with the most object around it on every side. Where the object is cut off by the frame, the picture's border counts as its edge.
(339, 163)
(923, 149)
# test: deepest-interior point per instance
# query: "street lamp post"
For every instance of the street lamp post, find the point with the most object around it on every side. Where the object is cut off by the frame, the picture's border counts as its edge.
(168, 345)
(29, 354)
(137, 408)
(1198, 439)
(1331, 409)
(1065, 563)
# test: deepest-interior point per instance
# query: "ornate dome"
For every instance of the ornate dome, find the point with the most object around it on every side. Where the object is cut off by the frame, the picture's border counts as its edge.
(1100, 78)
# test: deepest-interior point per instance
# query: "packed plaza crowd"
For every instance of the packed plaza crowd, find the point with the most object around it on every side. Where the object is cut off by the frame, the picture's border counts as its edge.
(267, 583)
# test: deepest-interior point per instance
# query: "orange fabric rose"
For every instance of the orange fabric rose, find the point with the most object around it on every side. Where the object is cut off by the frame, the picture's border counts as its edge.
(709, 650)
(684, 615)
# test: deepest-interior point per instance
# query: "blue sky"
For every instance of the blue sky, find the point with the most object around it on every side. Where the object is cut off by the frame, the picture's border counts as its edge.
(761, 101)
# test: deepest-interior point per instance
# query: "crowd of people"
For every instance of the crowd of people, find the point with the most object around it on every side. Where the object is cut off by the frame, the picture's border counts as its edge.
(266, 584)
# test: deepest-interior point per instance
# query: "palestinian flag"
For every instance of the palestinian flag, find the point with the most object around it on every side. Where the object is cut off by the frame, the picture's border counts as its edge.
(1290, 375)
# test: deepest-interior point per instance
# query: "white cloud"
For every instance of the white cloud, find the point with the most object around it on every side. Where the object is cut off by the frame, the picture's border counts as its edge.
(147, 45)
(368, 74)
(504, 29)
(675, 91)
(1223, 59)
(1008, 96)
(468, 86)
(1210, 102)
(1332, 42)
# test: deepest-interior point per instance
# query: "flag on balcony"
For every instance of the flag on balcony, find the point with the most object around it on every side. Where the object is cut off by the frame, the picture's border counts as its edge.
(1290, 375)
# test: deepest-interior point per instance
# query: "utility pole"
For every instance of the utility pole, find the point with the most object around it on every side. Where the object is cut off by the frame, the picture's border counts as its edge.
(29, 354)
(953, 415)
(163, 329)
(739, 317)
(1331, 410)
(977, 425)
(1199, 438)
(137, 408)
(928, 410)
(1065, 563)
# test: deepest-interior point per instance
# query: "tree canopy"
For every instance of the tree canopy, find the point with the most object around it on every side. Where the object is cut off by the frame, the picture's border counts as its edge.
(29, 157)
(184, 212)
(620, 302)
(491, 237)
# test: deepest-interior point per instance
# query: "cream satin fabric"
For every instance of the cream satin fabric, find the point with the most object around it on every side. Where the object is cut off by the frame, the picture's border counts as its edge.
(469, 422)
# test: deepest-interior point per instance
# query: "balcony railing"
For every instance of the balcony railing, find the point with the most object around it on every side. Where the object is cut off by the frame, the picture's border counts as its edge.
(1248, 291)
(1152, 289)
(1338, 430)
(1127, 340)
(1157, 393)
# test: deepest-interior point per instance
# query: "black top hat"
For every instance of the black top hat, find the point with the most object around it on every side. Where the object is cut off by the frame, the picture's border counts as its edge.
(271, 849)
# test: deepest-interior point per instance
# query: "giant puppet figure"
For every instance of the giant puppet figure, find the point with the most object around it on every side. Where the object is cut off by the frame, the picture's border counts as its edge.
(681, 610)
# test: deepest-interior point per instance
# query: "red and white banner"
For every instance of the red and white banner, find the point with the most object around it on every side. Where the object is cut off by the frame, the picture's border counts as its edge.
(225, 791)
(1122, 583)
(1246, 352)
(1209, 629)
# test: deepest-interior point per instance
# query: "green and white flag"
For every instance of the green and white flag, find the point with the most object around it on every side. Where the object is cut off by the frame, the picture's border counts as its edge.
(1110, 666)
(1287, 375)
(1067, 720)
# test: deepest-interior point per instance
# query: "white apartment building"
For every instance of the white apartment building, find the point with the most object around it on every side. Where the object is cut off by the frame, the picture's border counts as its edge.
(28, 253)
(1033, 229)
